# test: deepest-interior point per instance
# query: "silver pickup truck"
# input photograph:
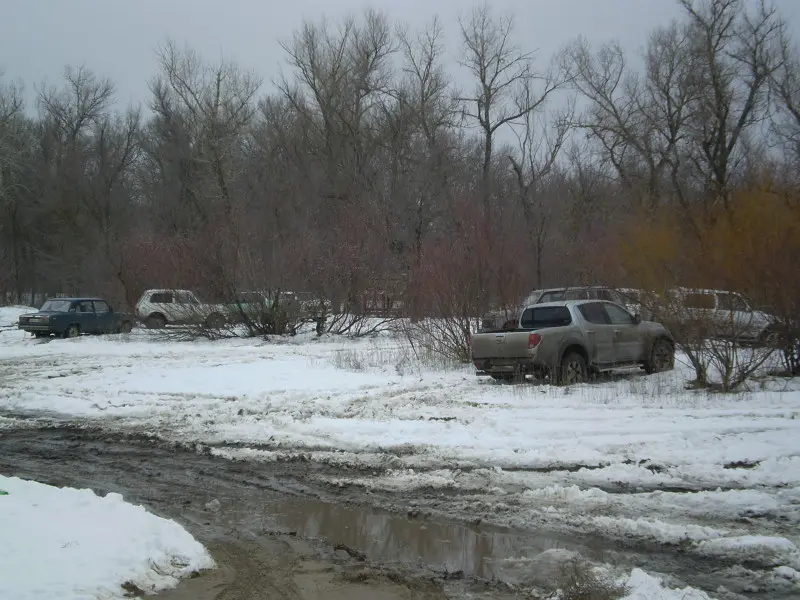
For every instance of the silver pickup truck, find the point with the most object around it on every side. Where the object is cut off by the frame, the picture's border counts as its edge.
(568, 340)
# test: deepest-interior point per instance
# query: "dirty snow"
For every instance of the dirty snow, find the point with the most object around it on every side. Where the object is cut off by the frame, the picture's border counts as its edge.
(64, 544)
(642, 586)
(639, 458)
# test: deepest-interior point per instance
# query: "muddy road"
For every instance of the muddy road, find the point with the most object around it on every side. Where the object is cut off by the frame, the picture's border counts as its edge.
(272, 536)
(276, 531)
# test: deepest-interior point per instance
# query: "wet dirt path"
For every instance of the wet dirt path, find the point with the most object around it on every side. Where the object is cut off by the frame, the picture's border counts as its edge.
(272, 537)
(276, 534)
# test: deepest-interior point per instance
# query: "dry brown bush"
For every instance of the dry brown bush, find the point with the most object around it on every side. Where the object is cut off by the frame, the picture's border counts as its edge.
(748, 246)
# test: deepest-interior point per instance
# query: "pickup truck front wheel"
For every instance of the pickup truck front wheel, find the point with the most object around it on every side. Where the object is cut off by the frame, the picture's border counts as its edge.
(572, 370)
(662, 357)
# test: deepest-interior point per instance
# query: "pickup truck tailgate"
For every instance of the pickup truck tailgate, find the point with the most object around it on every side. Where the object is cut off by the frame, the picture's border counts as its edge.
(510, 344)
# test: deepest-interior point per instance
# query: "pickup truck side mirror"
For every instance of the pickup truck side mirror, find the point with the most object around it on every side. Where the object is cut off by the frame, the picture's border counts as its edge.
(637, 318)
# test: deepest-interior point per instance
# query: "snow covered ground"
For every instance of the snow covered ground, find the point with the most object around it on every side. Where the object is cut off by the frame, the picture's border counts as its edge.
(639, 458)
(64, 544)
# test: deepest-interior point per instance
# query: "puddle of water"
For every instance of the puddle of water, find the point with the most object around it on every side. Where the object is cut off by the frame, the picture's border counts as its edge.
(477, 551)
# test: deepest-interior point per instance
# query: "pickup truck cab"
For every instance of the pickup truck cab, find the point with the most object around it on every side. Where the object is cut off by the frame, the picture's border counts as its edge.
(568, 340)
(70, 317)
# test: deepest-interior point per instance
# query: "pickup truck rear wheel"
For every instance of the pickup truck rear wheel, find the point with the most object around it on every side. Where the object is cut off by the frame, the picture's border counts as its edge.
(573, 369)
(502, 376)
(72, 331)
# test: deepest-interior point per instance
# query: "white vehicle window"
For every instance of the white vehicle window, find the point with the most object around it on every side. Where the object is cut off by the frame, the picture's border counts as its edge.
(699, 300)
(618, 316)
(161, 298)
(605, 295)
(732, 302)
(556, 296)
(579, 295)
(186, 298)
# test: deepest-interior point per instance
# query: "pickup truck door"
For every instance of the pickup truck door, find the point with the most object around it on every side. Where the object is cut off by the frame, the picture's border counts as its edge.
(628, 340)
(105, 316)
(87, 320)
(599, 333)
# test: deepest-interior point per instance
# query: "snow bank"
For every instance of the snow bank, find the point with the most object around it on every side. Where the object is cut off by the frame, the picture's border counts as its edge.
(65, 544)
(9, 315)
(693, 466)
(642, 586)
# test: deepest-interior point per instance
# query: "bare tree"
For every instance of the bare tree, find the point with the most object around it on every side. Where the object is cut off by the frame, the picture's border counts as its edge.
(785, 85)
(430, 109)
(207, 111)
(540, 143)
(68, 116)
(738, 52)
(639, 122)
(80, 103)
(215, 103)
(11, 108)
(504, 81)
(343, 95)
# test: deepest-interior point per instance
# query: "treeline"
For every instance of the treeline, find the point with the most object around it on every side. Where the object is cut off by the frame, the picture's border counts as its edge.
(365, 168)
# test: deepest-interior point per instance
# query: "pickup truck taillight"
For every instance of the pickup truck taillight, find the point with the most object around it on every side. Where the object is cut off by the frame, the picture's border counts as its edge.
(533, 340)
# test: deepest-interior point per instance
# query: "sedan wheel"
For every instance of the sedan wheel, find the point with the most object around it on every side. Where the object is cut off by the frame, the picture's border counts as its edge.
(573, 369)
(125, 327)
(72, 332)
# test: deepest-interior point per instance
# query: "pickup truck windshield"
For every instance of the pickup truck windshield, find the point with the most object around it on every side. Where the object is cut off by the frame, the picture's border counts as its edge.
(545, 316)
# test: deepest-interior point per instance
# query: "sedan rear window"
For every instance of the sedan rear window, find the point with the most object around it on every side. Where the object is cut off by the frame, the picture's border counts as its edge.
(545, 316)
(56, 306)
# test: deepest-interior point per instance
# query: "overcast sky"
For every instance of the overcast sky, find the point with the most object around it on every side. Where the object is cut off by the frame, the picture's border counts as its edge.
(118, 39)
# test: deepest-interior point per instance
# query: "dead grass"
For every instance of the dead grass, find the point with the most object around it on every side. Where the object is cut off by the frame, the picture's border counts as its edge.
(393, 354)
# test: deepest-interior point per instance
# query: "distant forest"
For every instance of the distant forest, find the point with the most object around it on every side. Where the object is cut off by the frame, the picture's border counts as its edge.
(366, 169)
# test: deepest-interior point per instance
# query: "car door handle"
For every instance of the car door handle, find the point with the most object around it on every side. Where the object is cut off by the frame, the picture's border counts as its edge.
(590, 331)
(617, 332)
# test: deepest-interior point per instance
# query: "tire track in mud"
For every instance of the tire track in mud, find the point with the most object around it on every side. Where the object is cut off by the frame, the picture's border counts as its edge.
(258, 553)
(258, 558)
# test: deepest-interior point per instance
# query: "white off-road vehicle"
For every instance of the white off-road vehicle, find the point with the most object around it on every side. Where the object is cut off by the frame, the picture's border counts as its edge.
(726, 315)
(158, 308)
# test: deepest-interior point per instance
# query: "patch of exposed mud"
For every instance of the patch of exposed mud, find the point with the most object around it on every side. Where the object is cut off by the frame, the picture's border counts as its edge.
(272, 536)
